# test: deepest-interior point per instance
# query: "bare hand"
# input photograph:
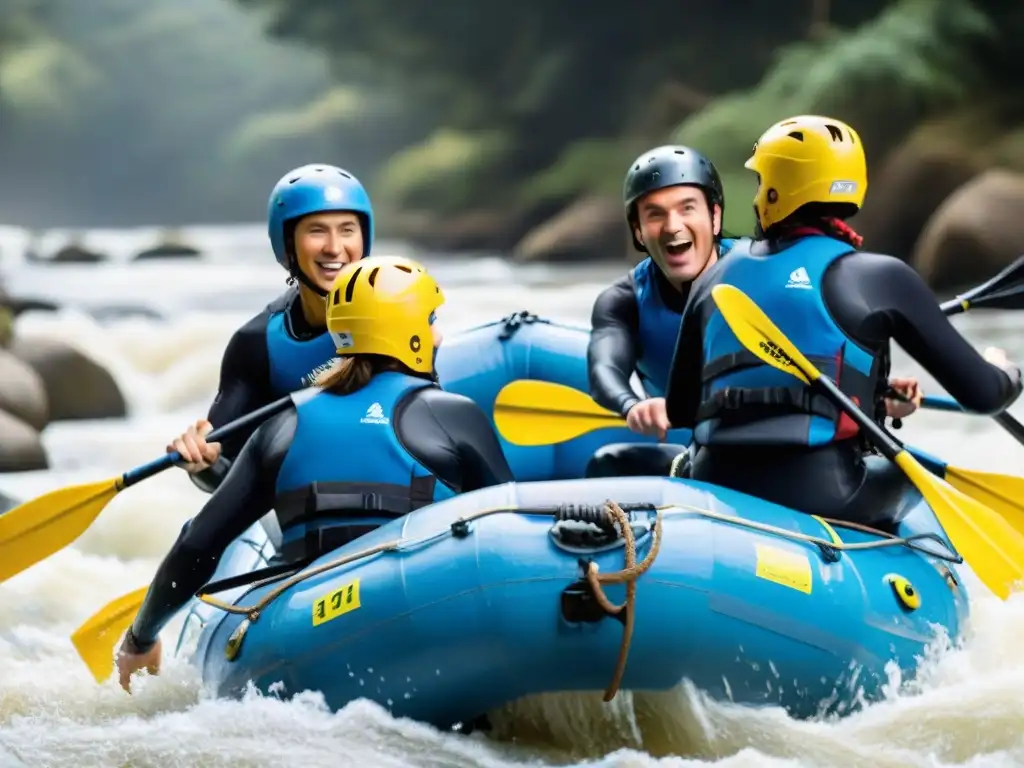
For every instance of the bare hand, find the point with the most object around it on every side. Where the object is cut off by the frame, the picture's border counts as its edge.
(648, 417)
(997, 357)
(911, 390)
(128, 662)
(196, 453)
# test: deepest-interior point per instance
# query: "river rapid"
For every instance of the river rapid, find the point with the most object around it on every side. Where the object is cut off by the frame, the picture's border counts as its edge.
(967, 709)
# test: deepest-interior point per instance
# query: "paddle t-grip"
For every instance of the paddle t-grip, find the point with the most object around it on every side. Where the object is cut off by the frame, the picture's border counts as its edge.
(250, 420)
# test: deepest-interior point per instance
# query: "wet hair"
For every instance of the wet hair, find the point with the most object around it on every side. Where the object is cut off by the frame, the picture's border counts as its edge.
(828, 218)
(350, 374)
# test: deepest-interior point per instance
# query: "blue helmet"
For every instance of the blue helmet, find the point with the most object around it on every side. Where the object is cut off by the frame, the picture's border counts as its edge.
(315, 188)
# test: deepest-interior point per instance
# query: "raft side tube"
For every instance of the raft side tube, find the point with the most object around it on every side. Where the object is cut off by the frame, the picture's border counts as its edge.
(458, 624)
(479, 362)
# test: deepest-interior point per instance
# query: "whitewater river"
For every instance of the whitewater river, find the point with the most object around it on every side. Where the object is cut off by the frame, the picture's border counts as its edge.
(968, 712)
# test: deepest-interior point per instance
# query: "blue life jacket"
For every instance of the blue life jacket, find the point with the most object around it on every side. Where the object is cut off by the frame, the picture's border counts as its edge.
(294, 363)
(346, 471)
(745, 401)
(658, 326)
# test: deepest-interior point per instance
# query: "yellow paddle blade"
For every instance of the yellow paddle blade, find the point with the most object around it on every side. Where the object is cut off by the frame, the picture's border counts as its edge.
(1002, 493)
(985, 539)
(760, 335)
(530, 412)
(96, 638)
(37, 529)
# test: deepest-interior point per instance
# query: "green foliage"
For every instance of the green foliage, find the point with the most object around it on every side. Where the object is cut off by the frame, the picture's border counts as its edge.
(121, 112)
(913, 61)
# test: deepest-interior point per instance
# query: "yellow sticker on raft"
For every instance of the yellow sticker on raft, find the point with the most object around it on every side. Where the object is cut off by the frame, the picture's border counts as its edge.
(337, 603)
(790, 569)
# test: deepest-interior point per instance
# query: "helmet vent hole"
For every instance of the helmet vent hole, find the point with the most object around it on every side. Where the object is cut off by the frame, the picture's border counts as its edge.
(403, 268)
(372, 279)
(345, 175)
(835, 132)
(680, 152)
(798, 135)
(790, 122)
(351, 287)
(293, 179)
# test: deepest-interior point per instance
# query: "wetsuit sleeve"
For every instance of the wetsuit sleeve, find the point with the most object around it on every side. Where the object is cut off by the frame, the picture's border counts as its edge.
(244, 387)
(246, 494)
(874, 298)
(611, 352)
(451, 436)
(683, 393)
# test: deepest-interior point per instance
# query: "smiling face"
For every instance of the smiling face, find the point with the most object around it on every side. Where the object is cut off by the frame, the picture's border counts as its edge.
(326, 242)
(678, 230)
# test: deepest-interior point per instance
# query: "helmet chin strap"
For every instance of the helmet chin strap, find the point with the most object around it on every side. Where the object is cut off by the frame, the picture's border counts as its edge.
(299, 275)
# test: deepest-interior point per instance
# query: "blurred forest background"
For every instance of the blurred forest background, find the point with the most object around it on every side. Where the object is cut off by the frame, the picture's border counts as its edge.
(479, 124)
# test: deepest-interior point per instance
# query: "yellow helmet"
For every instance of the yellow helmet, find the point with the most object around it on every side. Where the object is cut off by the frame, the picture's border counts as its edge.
(807, 159)
(384, 305)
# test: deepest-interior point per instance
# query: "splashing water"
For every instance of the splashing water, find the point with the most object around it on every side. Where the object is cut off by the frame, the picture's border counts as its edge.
(965, 709)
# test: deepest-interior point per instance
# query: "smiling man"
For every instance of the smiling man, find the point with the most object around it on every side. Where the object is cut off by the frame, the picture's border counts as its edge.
(674, 202)
(319, 218)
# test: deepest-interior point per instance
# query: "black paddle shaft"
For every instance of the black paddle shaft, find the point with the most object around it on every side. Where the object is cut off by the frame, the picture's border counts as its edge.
(238, 426)
(1004, 291)
(882, 439)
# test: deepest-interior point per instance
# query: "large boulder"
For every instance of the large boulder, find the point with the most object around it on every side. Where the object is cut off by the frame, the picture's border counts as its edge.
(77, 387)
(913, 182)
(591, 229)
(22, 392)
(977, 231)
(21, 448)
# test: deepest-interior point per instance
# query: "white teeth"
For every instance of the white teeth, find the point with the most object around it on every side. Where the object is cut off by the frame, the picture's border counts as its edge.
(680, 242)
(330, 265)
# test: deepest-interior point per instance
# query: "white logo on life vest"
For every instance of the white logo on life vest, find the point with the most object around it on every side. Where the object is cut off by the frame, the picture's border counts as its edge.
(375, 415)
(799, 278)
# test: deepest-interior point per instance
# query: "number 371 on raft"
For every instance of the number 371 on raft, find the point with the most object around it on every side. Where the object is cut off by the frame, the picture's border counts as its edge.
(336, 603)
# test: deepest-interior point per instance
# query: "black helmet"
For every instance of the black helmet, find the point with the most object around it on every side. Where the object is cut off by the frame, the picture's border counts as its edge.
(669, 166)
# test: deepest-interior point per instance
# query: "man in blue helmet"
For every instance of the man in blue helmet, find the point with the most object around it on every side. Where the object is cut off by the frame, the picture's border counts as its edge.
(319, 219)
(674, 203)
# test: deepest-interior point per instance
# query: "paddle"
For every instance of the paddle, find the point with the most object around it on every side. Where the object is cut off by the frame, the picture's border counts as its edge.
(96, 638)
(1004, 291)
(39, 528)
(993, 548)
(532, 413)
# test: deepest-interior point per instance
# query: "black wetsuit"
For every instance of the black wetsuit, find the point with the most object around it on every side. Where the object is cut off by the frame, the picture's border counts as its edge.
(611, 360)
(447, 433)
(245, 377)
(873, 299)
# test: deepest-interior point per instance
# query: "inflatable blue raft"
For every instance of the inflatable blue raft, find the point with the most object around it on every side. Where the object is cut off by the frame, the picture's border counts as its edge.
(532, 587)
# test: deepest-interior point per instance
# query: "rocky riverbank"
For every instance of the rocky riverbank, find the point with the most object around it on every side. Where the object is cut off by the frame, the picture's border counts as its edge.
(44, 380)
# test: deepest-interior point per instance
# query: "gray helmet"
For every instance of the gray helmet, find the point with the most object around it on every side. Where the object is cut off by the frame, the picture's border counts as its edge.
(669, 166)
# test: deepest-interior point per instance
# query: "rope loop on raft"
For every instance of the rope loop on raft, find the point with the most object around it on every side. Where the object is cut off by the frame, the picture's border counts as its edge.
(615, 515)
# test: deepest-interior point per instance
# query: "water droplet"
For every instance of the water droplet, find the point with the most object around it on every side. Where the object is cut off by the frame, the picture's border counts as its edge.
(361, 681)
(370, 670)
(391, 703)
(406, 695)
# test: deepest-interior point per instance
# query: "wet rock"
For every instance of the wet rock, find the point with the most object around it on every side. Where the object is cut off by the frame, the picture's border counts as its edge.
(21, 448)
(977, 231)
(171, 247)
(915, 180)
(77, 387)
(591, 229)
(22, 392)
(74, 253)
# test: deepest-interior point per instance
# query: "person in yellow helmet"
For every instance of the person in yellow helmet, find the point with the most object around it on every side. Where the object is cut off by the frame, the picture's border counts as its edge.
(378, 440)
(759, 430)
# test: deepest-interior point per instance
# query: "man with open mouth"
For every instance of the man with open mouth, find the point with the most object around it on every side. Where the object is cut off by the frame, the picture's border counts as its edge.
(674, 202)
